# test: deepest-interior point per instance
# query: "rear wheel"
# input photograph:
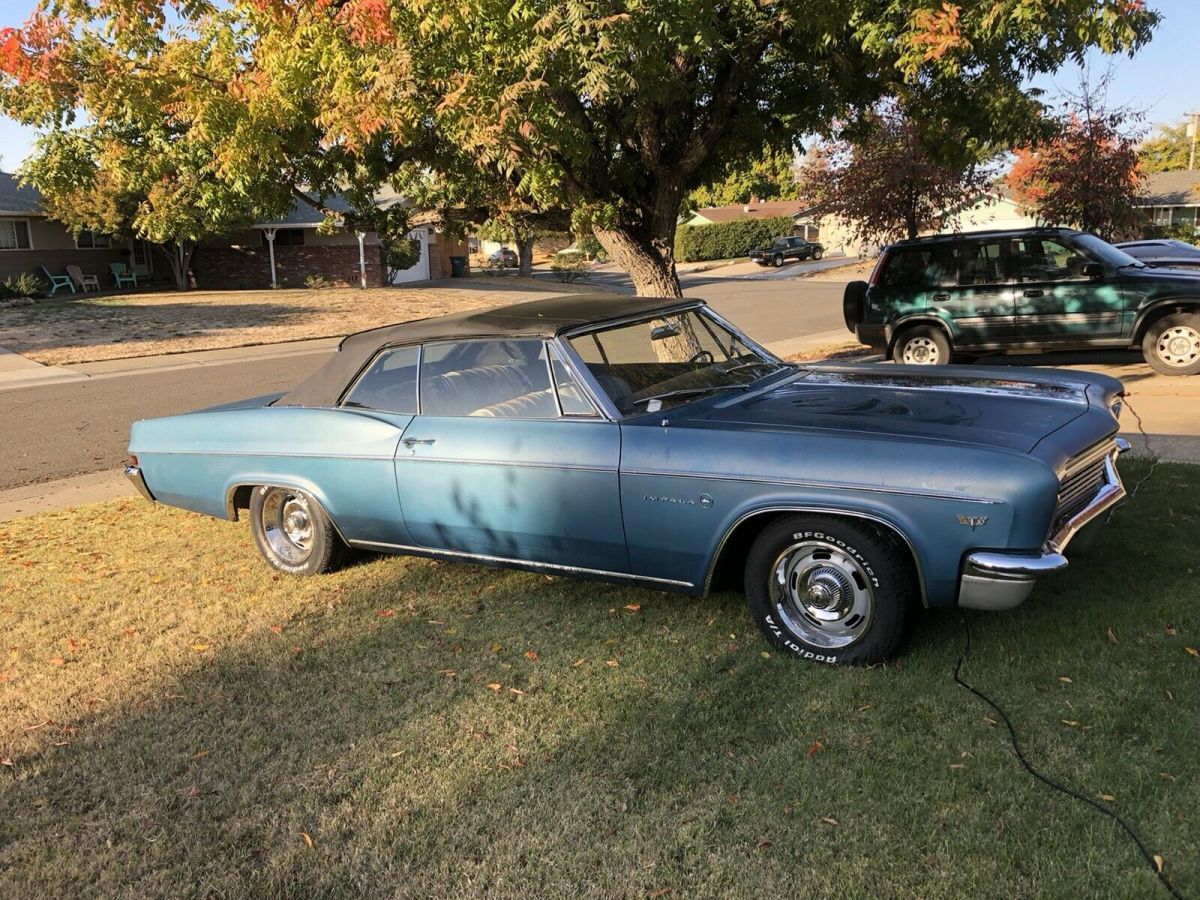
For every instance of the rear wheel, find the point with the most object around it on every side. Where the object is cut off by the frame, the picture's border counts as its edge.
(818, 253)
(923, 345)
(777, 260)
(293, 533)
(829, 590)
(1172, 344)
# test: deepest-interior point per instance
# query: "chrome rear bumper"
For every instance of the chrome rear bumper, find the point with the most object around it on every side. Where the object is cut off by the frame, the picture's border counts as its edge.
(994, 580)
(134, 474)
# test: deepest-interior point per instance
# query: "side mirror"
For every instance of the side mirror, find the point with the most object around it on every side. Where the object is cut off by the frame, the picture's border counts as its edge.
(1092, 270)
(662, 332)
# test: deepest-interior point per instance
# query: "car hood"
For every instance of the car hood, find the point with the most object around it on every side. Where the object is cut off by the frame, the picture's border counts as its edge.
(989, 407)
(1160, 273)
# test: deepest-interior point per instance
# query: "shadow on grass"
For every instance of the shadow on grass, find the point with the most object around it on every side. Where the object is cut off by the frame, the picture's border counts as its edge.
(399, 746)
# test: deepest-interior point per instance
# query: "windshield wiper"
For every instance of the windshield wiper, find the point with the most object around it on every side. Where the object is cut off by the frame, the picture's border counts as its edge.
(749, 365)
(685, 392)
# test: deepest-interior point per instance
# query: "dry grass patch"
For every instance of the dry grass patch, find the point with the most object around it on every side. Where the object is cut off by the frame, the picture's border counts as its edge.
(85, 328)
(177, 719)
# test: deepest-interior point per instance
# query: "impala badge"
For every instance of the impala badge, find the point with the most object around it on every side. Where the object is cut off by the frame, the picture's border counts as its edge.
(972, 521)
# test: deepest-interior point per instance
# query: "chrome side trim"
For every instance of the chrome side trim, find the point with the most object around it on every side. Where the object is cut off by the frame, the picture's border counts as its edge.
(134, 474)
(507, 561)
(712, 563)
(832, 485)
(1107, 497)
(507, 462)
(283, 454)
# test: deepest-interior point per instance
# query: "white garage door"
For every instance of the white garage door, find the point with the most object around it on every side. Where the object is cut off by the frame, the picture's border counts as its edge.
(420, 271)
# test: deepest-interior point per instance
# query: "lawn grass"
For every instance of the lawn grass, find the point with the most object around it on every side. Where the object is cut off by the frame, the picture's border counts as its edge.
(177, 720)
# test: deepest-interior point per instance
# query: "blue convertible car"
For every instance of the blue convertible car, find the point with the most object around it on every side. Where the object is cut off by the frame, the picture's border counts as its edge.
(648, 441)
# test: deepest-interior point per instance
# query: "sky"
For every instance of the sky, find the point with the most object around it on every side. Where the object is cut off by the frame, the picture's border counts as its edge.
(1163, 79)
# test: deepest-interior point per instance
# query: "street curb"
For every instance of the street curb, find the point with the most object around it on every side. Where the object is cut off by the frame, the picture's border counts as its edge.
(64, 493)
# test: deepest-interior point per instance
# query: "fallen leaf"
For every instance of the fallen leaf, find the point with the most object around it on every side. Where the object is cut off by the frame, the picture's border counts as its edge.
(763, 844)
(383, 614)
(7, 761)
(611, 663)
(1065, 680)
(531, 655)
(57, 661)
(494, 686)
(200, 648)
(277, 628)
(517, 692)
(1192, 651)
(829, 820)
(764, 654)
(633, 607)
(579, 662)
(39, 725)
(1070, 722)
(1158, 863)
(1107, 798)
(130, 632)
(659, 892)
(814, 748)
(1112, 635)
(495, 647)
(200, 754)
(307, 839)
(957, 766)
(1166, 776)
(990, 721)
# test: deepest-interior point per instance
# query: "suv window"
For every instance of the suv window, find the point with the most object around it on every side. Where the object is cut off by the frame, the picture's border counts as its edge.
(501, 379)
(933, 265)
(1043, 259)
(983, 263)
(390, 384)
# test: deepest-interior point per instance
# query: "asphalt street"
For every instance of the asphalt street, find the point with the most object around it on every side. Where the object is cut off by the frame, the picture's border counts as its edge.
(74, 428)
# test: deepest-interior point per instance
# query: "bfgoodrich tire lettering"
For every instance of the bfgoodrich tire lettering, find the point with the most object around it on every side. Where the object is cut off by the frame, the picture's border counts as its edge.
(293, 533)
(830, 590)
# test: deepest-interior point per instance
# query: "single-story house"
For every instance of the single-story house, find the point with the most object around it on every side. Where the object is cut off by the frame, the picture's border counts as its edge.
(283, 252)
(1172, 198)
(802, 212)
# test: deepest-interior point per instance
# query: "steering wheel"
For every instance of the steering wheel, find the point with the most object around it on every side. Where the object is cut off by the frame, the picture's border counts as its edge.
(705, 356)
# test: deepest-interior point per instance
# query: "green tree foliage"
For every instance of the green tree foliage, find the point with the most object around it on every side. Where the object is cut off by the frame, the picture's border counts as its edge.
(1168, 150)
(771, 176)
(614, 109)
(727, 240)
(892, 175)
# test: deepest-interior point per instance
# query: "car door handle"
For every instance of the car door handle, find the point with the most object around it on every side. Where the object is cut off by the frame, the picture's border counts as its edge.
(412, 442)
(940, 298)
(1033, 295)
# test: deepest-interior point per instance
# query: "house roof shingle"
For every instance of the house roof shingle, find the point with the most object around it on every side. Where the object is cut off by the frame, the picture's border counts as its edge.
(16, 198)
(760, 210)
(1172, 189)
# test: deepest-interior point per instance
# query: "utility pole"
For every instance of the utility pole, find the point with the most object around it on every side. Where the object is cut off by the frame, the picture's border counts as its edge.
(1192, 129)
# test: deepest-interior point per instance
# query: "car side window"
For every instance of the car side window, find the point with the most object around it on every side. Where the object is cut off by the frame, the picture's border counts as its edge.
(983, 263)
(905, 268)
(571, 397)
(389, 384)
(1042, 259)
(493, 379)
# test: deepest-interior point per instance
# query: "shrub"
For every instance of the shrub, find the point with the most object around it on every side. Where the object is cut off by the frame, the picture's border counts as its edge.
(569, 267)
(402, 254)
(317, 282)
(590, 247)
(24, 285)
(726, 240)
(1179, 232)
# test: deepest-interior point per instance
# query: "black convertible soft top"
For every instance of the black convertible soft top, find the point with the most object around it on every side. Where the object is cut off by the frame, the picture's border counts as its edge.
(534, 318)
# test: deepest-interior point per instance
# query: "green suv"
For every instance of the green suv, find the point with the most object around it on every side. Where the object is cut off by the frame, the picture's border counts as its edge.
(932, 299)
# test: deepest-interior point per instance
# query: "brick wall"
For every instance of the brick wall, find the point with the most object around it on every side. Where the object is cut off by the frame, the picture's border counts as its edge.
(92, 262)
(245, 268)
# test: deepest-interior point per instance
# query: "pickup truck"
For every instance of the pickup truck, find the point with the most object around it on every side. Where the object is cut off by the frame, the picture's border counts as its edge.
(786, 248)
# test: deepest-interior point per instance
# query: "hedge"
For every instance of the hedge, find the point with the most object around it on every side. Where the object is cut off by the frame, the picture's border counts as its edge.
(726, 240)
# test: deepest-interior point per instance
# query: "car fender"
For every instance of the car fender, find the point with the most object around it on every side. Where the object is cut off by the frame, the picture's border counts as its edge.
(1164, 305)
(953, 333)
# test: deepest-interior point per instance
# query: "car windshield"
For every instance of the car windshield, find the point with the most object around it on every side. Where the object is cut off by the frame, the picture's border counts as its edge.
(660, 362)
(1102, 251)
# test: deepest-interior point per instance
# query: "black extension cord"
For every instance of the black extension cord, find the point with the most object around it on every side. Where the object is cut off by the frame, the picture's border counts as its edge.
(1050, 782)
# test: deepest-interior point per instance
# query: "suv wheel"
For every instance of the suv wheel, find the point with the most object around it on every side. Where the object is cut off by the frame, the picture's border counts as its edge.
(923, 345)
(818, 253)
(777, 260)
(1172, 344)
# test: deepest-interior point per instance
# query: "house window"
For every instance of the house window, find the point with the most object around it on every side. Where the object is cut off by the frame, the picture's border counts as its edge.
(14, 234)
(141, 254)
(286, 237)
(89, 240)
(1183, 215)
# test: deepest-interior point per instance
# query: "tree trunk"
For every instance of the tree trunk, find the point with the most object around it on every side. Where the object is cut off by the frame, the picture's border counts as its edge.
(179, 255)
(524, 244)
(650, 263)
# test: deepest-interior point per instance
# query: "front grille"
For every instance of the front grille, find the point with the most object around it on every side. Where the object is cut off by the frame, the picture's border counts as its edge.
(1084, 478)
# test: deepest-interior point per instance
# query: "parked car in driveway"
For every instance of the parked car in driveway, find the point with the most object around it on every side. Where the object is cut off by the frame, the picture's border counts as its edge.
(1163, 254)
(504, 258)
(650, 442)
(932, 298)
(785, 248)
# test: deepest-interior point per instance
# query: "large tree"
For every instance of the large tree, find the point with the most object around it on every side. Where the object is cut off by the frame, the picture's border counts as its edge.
(771, 175)
(614, 108)
(1086, 174)
(892, 175)
(1169, 149)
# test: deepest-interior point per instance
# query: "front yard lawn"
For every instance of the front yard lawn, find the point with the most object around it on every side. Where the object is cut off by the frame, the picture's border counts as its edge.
(175, 719)
(82, 328)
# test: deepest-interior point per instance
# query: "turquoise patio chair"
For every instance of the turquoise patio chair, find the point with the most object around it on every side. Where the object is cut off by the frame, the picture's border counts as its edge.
(58, 281)
(121, 273)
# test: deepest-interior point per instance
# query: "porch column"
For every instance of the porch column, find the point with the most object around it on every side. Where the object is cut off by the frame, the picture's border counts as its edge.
(269, 234)
(362, 259)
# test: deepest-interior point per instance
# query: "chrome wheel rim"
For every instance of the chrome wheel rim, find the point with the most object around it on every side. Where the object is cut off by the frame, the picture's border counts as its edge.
(822, 594)
(1179, 346)
(287, 525)
(921, 351)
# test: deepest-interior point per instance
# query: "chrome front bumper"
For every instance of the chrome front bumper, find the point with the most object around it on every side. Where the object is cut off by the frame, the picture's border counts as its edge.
(134, 474)
(994, 580)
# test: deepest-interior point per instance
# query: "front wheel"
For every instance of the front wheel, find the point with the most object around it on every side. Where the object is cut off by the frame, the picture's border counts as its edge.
(829, 590)
(924, 345)
(777, 260)
(293, 533)
(1172, 344)
(817, 254)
